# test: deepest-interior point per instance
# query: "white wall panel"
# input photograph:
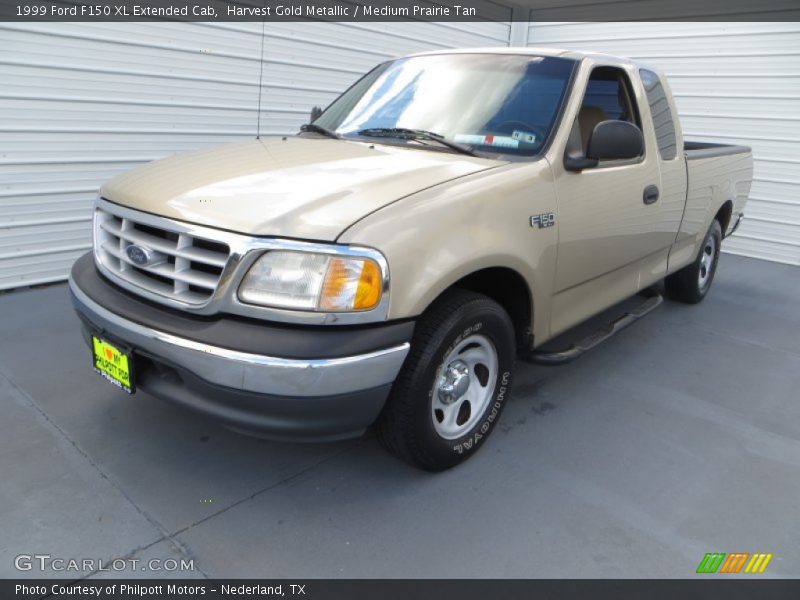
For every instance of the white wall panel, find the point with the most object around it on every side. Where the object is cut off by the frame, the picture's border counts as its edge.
(733, 83)
(80, 103)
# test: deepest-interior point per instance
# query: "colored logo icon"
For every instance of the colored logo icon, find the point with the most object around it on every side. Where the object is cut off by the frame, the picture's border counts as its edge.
(736, 562)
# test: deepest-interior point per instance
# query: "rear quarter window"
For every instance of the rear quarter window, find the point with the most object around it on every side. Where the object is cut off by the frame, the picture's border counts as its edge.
(662, 115)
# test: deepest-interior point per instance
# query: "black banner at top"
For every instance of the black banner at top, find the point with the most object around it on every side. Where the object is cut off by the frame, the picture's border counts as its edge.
(399, 10)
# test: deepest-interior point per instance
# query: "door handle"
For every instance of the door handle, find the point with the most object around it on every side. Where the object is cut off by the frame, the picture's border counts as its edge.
(650, 194)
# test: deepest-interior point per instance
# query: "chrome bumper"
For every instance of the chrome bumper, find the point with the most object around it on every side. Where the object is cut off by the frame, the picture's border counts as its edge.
(251, 372)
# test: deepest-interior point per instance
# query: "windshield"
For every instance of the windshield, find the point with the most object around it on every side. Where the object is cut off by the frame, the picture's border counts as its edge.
(505, 104)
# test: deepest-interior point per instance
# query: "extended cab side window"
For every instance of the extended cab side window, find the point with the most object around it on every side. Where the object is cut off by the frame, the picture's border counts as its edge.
(662, 115)
(608, 96)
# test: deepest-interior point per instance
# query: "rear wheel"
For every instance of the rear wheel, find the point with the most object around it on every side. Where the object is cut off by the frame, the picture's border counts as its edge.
(453, 385)
(691, 284)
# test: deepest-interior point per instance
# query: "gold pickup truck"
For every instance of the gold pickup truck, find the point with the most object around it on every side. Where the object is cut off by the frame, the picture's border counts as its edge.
(448, 213)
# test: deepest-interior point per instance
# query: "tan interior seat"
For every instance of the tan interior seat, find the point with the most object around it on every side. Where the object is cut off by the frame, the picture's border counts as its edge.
(588, 117)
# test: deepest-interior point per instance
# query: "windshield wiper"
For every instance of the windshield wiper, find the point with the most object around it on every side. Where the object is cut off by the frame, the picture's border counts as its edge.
(314, 128)
(415, 134)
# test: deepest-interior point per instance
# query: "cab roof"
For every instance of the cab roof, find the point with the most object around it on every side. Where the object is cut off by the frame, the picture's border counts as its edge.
(535, 51)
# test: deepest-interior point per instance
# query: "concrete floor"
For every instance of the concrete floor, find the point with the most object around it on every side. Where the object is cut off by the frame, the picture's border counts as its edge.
(678, 437)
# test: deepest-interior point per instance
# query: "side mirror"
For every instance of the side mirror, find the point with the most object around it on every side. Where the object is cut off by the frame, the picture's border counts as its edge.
(316, 112)
(610, 140)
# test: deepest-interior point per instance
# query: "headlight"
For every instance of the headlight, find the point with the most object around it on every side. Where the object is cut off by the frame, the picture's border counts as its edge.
(313, 281)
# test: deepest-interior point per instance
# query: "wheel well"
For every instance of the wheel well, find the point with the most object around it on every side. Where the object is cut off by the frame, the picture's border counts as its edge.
(509, 289)
(724, 215)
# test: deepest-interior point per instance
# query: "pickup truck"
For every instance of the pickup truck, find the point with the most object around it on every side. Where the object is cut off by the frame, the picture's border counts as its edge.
(448, 213)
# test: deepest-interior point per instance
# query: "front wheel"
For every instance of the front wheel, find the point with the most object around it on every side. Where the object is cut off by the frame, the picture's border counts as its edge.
(691, 284)
(453, 385)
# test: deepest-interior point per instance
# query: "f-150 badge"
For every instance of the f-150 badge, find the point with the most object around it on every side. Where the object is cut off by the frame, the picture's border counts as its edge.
(543, 220)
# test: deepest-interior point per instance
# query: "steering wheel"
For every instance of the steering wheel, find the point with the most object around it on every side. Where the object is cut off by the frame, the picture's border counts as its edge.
(521, 125)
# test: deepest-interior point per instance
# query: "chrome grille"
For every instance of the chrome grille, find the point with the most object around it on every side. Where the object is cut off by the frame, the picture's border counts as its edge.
(182, 267)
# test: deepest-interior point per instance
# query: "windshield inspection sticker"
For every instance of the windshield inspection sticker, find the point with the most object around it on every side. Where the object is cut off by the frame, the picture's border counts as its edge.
(500, 141)
(524, 136)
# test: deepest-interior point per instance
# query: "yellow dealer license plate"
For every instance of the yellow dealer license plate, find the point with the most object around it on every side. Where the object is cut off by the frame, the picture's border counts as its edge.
(113, 364)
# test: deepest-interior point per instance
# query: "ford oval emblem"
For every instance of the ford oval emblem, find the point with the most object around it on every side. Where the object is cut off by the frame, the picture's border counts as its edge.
(139, 255)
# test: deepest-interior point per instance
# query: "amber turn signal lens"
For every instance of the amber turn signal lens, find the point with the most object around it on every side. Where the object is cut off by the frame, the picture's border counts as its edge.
(368, 292)
(351, 284)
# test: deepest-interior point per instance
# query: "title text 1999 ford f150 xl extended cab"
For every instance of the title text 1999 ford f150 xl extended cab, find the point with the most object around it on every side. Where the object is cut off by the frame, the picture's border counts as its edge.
(448, 212)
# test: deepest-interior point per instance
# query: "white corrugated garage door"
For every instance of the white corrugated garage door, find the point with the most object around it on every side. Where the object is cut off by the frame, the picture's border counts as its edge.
(82, 102)
(733, 83)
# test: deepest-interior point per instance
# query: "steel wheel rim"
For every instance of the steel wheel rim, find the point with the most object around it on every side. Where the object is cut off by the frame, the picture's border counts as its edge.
(456, 407)
(707, 259)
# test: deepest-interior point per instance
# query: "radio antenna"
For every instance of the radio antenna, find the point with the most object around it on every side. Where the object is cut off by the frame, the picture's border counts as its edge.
(261, 71)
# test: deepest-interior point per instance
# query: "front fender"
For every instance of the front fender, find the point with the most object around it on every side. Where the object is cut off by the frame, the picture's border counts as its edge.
(442, 234)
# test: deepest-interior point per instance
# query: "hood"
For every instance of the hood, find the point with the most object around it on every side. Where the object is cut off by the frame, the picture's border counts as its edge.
(298, 187)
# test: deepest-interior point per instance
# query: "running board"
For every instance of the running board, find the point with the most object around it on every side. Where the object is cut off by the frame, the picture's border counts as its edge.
(560, 357)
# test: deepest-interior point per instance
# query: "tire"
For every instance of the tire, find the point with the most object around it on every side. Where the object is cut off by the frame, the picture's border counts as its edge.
(691, 284)
(454, 383)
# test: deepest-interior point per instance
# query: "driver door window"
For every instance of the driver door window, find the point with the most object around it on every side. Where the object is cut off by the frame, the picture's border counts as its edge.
(608, 96)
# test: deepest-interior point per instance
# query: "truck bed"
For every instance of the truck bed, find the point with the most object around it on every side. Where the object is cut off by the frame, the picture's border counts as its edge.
(717, 174)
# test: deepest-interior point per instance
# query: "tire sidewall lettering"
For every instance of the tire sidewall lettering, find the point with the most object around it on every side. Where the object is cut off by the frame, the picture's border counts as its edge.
(481, 430)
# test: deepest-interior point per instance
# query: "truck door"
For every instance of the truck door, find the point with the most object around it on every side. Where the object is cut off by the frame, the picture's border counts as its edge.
(606, 213)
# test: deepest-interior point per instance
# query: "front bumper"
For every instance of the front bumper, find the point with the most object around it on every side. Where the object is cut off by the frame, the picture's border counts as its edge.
(320, 397)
